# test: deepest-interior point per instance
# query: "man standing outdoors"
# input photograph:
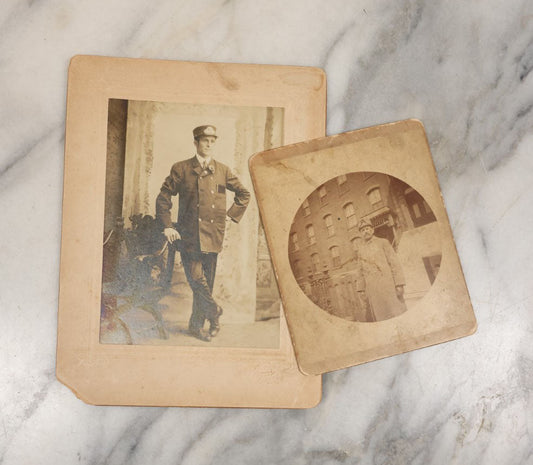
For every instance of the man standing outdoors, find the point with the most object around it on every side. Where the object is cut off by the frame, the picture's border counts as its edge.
(381, 282)
(201, 184)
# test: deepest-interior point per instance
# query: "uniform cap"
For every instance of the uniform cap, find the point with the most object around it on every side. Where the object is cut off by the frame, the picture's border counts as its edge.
(363, 224)
(207, 130)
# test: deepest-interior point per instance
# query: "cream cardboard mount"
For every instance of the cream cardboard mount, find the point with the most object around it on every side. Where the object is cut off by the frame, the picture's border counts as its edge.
(128, 120)
(361, 245)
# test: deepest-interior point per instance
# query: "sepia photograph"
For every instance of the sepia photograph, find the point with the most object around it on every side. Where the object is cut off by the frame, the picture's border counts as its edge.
(185, 261)
(365, 247)
(167, 291)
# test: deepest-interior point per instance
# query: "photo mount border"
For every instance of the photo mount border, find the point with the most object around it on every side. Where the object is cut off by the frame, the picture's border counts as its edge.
(105, 374)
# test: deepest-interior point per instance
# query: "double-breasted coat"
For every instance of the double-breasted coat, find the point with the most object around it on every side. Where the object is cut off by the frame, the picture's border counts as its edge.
(202, 203)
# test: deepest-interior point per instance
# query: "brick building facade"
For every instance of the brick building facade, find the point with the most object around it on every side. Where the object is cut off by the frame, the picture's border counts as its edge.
(324, 239)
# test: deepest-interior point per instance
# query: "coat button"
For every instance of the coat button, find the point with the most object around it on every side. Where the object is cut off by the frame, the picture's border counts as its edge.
(199, 219)
(211, 221)
(212, 192)
(213, 206)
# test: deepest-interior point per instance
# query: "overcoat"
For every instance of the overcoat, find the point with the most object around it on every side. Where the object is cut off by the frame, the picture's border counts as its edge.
(381, 272)
(202, 203)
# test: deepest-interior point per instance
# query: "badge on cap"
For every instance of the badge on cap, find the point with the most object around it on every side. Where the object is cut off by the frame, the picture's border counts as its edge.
(206, 130)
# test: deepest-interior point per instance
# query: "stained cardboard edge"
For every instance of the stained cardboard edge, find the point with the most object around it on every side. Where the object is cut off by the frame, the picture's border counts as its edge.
(81, 64)
(276, 155)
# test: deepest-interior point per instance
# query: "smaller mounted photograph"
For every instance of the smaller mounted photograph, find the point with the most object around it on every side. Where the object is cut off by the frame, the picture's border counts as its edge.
(361, 246)
(365, 247)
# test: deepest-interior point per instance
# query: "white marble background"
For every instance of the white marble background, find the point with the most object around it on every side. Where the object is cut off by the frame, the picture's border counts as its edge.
(462, 67)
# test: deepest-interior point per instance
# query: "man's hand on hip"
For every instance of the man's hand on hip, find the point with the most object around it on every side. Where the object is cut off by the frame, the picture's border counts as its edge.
(171, 234)
(399, 292)
(229, 222)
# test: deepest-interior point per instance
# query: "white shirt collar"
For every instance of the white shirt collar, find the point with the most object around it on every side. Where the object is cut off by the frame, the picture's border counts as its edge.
(201, 160)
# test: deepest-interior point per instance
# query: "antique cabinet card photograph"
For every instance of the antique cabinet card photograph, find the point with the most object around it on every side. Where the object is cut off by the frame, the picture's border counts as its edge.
(168, 296)
(363, 250)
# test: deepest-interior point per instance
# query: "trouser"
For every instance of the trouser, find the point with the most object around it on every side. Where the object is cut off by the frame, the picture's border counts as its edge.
(200, 271)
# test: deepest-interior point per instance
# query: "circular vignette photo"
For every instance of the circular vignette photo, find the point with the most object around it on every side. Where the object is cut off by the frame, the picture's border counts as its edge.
(365, 246)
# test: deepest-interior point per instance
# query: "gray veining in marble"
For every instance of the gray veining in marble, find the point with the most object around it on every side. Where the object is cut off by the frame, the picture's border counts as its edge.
(463, 68)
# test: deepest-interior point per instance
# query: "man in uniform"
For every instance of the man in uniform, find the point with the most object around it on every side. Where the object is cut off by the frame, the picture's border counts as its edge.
(201, 184)
(381, 282)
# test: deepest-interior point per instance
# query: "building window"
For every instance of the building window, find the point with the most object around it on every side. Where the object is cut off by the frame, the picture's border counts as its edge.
(343, 185)
(315, 261)
(341, 179)
(310, 234)
(323, 195)
(294, 242)
(356, 245)
(432, 265)
(374, 195)
(419, 210)
(328, 219)
(306, 208)
(349, 213)
(335, 256)
(297, 268)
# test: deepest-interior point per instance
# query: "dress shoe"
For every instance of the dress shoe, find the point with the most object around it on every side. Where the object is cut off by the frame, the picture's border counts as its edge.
(201, 334)
(214, 325)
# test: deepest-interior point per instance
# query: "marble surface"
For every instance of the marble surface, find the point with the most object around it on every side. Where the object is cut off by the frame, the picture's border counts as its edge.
(463, 68)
